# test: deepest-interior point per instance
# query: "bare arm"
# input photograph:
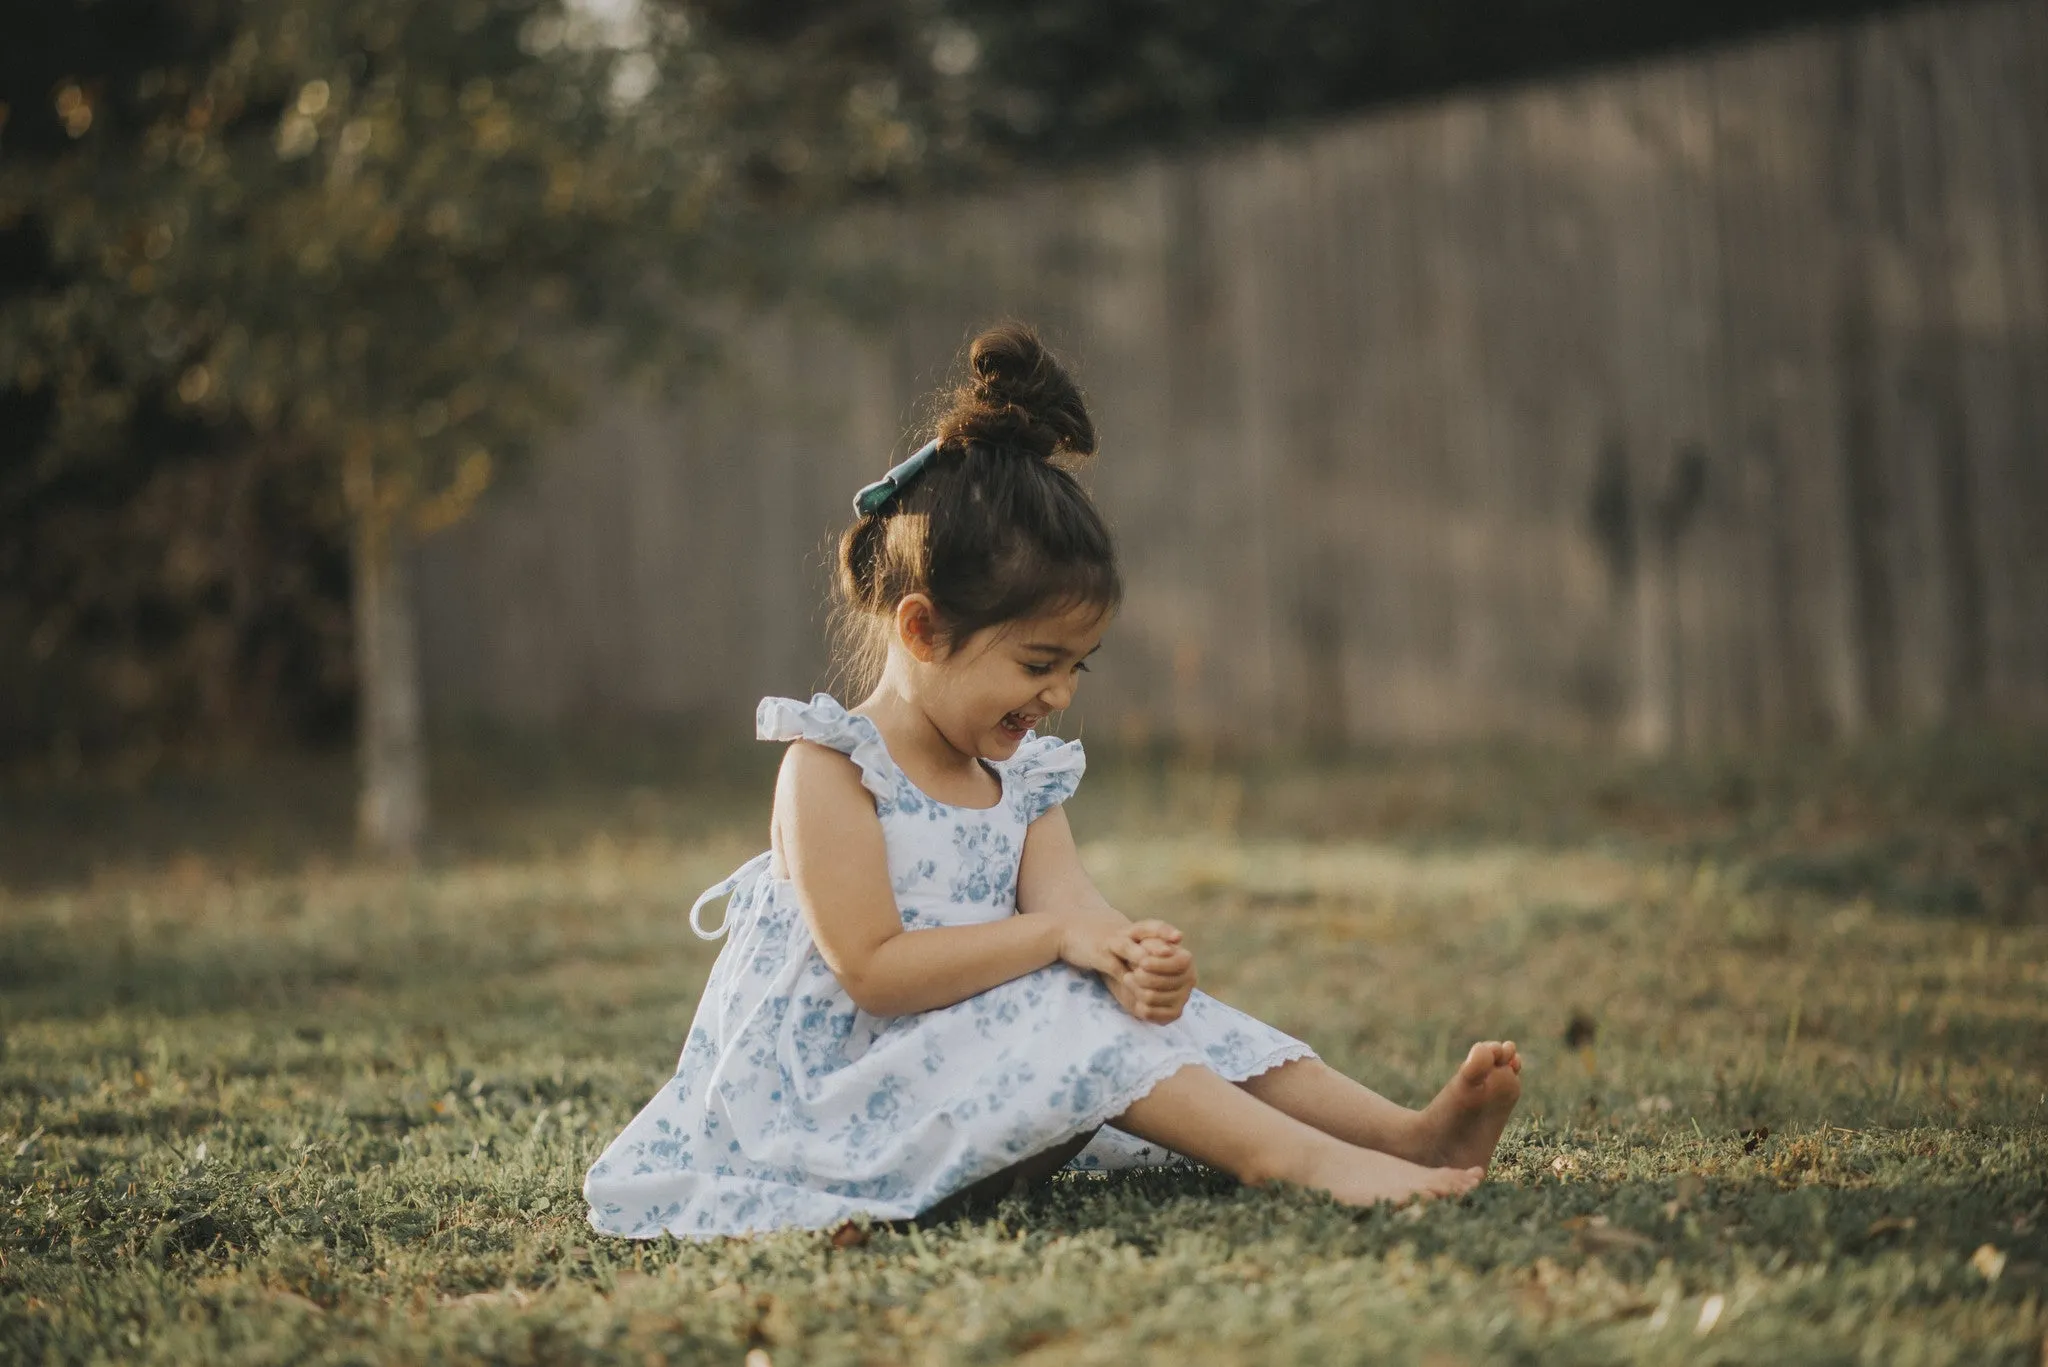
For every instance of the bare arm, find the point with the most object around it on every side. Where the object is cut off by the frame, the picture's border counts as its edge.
(830, 842)
(1144, 963)
(1051, 878)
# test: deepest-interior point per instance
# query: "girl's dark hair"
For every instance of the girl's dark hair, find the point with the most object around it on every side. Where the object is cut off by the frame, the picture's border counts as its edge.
(996, 526)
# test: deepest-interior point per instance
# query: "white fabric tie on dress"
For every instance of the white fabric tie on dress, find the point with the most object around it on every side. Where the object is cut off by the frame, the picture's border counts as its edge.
(721, 889)
(790, 1107)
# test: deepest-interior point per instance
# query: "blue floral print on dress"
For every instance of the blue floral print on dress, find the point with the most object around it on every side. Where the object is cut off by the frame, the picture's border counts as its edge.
(791, 1107)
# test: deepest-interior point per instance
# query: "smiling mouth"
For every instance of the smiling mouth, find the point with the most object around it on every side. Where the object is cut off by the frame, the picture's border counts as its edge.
(1017, 723)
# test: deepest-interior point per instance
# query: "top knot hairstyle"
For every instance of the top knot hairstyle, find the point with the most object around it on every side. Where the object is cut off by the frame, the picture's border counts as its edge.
(995, 527)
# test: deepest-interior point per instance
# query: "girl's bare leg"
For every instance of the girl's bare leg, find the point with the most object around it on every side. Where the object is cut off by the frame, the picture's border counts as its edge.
(1197, 1113)
(1316, 1094)
(1459, 1129)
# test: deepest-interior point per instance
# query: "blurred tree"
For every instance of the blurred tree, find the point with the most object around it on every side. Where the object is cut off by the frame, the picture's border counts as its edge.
(282, 285)
(143, 581)
(338, 229)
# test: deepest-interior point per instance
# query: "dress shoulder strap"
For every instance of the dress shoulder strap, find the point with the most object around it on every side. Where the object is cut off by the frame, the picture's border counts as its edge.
(824, 721)
(1044, 772)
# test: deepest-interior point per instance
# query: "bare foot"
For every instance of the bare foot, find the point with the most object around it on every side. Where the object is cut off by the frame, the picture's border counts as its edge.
(1465, 1120)
(1364, 1177)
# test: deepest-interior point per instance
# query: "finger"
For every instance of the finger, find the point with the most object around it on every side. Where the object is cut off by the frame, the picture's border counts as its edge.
(1126, 952)
(1143, 978)
(1167, 965)
(1155, 929)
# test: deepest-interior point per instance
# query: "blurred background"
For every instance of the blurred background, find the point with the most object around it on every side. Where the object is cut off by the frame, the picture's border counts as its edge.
(1580, 466)
(384, 377)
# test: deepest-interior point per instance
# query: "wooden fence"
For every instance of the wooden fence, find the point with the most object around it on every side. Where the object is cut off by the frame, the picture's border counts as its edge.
(1693, 403)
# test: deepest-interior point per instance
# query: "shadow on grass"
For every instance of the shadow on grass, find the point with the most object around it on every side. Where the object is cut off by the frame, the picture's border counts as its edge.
(1631, 1226)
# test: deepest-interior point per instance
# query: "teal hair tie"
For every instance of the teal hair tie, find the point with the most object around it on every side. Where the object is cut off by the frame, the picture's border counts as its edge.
(876, 496)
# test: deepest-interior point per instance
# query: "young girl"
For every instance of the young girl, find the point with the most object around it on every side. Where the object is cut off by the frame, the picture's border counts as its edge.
(923, 992)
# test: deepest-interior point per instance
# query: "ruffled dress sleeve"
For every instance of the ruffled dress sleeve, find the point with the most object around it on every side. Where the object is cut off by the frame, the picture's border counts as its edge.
(824, 721)
(1044, 772)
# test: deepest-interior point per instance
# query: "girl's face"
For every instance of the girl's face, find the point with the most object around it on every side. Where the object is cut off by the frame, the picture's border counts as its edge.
(1002, 681)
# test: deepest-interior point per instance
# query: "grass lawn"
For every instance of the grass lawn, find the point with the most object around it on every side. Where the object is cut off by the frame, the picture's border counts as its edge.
(1786, 1020)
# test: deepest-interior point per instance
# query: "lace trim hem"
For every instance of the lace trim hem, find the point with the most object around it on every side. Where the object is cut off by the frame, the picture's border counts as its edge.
(855, 1207)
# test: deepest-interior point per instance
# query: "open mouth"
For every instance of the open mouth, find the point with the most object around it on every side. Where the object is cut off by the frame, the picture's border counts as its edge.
(1017, 723)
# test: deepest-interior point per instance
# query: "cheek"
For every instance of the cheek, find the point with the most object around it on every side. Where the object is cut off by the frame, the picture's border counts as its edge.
(1007, 700)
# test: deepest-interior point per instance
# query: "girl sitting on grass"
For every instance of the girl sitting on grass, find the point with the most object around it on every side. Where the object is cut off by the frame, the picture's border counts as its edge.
(923, 993)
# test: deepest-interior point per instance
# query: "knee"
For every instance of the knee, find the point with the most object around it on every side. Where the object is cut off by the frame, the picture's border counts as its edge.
(1283, 1075)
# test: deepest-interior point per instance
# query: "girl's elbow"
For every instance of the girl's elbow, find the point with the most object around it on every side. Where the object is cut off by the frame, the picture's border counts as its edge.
(882, 1007)
(870, 978)
(870, 996)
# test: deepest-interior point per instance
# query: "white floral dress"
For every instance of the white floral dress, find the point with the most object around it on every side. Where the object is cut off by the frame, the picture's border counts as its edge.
(793, 1107)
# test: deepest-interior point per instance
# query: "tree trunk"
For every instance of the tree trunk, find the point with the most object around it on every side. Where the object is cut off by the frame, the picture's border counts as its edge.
(391, 814)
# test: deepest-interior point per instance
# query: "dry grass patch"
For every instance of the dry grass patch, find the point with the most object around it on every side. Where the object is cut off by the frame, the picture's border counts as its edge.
(341, 1115)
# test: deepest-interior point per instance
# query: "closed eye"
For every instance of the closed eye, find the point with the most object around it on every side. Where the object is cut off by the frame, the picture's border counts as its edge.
(1043, 669)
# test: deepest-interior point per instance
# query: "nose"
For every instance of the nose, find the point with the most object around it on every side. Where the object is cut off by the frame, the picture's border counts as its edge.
(1058, 695)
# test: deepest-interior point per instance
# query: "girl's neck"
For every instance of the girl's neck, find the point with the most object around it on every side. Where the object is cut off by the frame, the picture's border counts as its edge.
(907, 729)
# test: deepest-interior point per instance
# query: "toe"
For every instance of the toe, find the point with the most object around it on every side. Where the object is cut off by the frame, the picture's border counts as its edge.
(1478, 1063)
(1447, 1182)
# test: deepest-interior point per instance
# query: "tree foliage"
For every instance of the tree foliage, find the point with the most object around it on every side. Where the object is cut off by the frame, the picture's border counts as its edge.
(349, 219)
(329, 248)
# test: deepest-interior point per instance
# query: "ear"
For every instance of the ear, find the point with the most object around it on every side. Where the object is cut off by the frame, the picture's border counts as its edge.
(917, 627)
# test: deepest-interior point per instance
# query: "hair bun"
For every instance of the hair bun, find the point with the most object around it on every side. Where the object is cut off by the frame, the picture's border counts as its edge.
(1020, 398)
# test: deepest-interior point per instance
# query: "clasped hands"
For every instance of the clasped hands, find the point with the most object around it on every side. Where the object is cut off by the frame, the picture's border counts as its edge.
(1144, 965)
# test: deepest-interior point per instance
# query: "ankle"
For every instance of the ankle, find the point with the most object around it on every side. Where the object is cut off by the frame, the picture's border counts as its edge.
(1417, 1139)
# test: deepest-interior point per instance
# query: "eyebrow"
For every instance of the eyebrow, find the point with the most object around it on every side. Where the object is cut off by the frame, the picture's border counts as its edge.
(1058, 650)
